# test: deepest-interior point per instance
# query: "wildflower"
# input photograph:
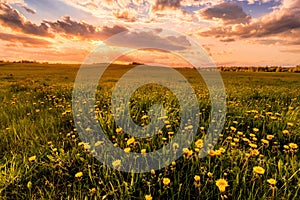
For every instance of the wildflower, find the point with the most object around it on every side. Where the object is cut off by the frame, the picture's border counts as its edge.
(293, 146)
(199, 143)
(78, 174)
(290, 124)
(116, 163)
(222, 184)
(143, 151)
(209, 174)
(264, 141)
(218, 152)
(173, 163)
(197, 178)
(232, 128)
(253, 145)
(286, 146)
(127, 150)
(93, 190)
(258, 170)
(148, 197)
(166, 181)
(236, 140)
(270, 137)
(222, 150)
(255, 152)
(211, 152)
(32, 158)
(285, 132)
(240, 133)
(255, 130)
(119, 130)
(252, 135)
(144, 117)
(272, 181)
(130, 141)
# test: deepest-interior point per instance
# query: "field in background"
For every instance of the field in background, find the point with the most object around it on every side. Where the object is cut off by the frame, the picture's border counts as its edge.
(42, 157)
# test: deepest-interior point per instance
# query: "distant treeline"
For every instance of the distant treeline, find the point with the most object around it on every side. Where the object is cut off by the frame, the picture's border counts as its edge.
(260, 69)
(295, 69)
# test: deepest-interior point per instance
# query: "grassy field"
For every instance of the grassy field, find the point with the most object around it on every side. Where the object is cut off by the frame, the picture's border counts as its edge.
(42, 156)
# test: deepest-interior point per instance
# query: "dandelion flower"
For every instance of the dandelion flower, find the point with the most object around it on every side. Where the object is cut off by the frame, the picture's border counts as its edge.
(255, 130)
(78, 174)
(32, 158)
(119, 130)
(199, 143)
(166, 181)
(222, 184)
(148, 197)
(209, 174)
(258, 170)
(253, 145)
(293, 146)
(272, 181)
(130, 141)
(197, 178)
(270, 137)
(127, 150)
(285, 132)
(143, 151)
(116, 163)
(255, 152)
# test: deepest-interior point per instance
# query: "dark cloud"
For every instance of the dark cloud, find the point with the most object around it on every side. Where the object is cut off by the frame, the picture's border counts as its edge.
(282, 23)
(29, 10)
(227, 40)
(83, 30)
(124, 15)
(229, 12)
(24, 40)
(162, 4)
(10, 17)
(151, 39)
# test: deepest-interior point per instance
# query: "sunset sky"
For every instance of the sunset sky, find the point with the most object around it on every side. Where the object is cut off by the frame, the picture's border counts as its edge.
(242, 32)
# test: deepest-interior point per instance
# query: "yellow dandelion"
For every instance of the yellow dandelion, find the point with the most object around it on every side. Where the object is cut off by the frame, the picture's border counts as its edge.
(143, 151)
(130, 141)
(209, 174)
(199, 143)
(148, 197)
(116, 163)
(144, 117)
(286, 146)
(166, 181)
(32, 158)
(78, 174)
(252, 135)
(255, 130)
(222, 184)
(211, 153)
(258, 170)
(253, 145)
(272, 181)
(197, 178)
(270, 137)
(119, 130)
(127, 150)
(222, 150)
(264, 141)
(285, 132)
(293, 146)
(255, 152)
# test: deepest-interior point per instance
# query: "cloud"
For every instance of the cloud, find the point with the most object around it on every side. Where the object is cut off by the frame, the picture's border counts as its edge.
(228, 12)
(83, 30)
(162, 4)
(29, 10)
(151, 39)
(283, 22)
(10, 17)
(24, 40)
(125, 15)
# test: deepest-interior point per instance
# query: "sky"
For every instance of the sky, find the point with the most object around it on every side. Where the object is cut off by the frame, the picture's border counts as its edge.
(231, 32)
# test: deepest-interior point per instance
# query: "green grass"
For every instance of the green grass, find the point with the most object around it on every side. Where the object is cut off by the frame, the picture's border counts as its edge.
(36, 120)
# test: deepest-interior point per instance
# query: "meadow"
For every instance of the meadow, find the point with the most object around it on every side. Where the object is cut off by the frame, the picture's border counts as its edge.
(42, 156)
